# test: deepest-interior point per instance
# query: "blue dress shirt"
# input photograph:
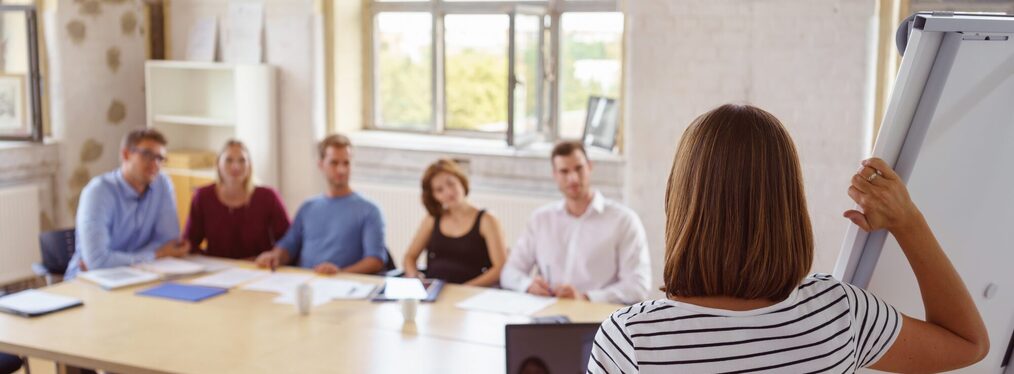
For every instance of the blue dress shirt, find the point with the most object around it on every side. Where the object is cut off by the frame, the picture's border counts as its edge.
(116, 226)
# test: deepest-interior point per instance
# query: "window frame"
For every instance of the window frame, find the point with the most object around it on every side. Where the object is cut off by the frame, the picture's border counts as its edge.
(438, 9)
(34, 85)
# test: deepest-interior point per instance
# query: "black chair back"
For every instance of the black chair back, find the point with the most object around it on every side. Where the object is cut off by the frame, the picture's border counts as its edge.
(389, 264)
(9, 363)
(57, 248)
(390, 269)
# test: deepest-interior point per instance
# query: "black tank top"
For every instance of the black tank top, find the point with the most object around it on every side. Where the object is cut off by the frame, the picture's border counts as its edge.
(457, 260)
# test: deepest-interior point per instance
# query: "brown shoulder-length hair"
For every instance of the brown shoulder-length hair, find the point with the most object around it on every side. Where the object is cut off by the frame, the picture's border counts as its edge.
(736, 218)
(443, 165)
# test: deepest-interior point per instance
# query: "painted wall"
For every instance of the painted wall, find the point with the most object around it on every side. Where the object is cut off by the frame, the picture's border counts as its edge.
(810, 63)
(96, 52)
(293, 44)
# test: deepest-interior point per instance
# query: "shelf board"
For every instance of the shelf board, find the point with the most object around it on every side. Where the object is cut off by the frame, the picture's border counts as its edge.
(209, 173)
(193, 120)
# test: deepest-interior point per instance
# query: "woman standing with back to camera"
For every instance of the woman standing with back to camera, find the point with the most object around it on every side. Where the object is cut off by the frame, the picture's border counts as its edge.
(738, 249)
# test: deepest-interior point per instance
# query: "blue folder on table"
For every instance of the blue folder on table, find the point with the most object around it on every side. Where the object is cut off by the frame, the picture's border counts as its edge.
(183, 292)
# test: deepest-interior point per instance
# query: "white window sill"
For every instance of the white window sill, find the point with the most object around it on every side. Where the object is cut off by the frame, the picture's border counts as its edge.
(26, 160)
(400, 158)
(463, 145)
(15, 144)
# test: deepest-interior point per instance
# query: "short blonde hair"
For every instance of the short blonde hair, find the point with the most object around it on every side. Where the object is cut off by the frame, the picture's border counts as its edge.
(736, 218)
(248, 184)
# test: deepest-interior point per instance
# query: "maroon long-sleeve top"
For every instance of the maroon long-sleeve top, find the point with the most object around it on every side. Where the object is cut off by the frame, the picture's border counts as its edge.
(241, 232)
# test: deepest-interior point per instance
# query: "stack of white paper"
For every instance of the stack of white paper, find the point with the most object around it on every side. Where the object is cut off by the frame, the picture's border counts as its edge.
(210, 264)
(32, 303)
(342, 289)
(404, 288)
(172, 267)
(230, 278)
(278, 283)
(290, 298)
(325, 290)
(506, 302)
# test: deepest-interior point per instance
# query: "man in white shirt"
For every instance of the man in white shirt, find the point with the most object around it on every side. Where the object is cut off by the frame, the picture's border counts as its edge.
(584, 247)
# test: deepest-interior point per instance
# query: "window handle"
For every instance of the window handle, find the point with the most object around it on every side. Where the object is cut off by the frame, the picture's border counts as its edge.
(517, 81)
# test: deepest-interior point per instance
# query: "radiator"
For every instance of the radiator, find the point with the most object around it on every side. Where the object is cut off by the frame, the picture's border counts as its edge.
(19, 232)
(403, 211)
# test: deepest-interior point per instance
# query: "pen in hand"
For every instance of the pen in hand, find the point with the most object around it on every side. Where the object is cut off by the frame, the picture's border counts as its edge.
(549, 282)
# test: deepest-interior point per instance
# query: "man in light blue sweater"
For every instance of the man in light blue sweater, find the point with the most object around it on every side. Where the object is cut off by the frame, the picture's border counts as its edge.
(339, 231)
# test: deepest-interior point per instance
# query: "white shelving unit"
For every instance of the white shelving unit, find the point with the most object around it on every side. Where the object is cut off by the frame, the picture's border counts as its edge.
(200, 105)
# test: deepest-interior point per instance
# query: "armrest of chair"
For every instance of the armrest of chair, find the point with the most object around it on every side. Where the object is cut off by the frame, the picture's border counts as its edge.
(39, 269)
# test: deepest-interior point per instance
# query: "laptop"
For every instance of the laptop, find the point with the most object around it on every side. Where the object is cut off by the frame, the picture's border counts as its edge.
(549, 348)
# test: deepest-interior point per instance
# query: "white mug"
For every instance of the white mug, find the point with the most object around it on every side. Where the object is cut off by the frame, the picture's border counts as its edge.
(408, 307)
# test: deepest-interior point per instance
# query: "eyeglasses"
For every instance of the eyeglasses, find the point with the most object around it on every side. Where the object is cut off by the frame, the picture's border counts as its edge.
(148, 155)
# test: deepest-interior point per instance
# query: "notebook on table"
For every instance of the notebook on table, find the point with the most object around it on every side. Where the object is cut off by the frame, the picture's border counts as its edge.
(182, 292)
(33, 303)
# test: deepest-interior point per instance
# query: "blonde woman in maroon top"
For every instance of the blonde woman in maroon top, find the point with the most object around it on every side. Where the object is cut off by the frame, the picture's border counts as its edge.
(238, 219)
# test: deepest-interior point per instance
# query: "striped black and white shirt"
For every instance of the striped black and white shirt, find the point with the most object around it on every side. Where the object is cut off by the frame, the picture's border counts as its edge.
(824, 326)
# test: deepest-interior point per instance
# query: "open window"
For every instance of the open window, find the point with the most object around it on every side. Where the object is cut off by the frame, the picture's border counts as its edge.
(528, 86)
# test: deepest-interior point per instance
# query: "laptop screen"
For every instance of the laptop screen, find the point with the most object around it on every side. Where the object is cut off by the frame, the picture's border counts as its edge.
(549, 348)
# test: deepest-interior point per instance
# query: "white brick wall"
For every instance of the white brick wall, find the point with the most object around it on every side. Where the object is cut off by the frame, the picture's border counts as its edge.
(808, 62)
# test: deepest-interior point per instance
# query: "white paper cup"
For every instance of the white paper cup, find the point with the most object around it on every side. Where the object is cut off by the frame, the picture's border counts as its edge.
(408, 308)
(304, 298)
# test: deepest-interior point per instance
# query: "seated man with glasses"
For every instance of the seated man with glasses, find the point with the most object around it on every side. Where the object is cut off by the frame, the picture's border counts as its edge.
(128, 215)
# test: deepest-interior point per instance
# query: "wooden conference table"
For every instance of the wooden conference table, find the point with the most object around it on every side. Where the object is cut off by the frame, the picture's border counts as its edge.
(245, 331)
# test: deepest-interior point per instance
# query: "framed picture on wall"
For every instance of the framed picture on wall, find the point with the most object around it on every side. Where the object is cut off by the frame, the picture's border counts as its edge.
(600, 123)
(13, 106)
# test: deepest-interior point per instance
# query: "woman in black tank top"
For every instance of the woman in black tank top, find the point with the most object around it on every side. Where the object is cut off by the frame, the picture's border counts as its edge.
(457, 259)
(465, 250)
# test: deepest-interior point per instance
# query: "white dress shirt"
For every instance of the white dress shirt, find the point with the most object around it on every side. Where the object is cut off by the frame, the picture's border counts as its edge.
(603, 253)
